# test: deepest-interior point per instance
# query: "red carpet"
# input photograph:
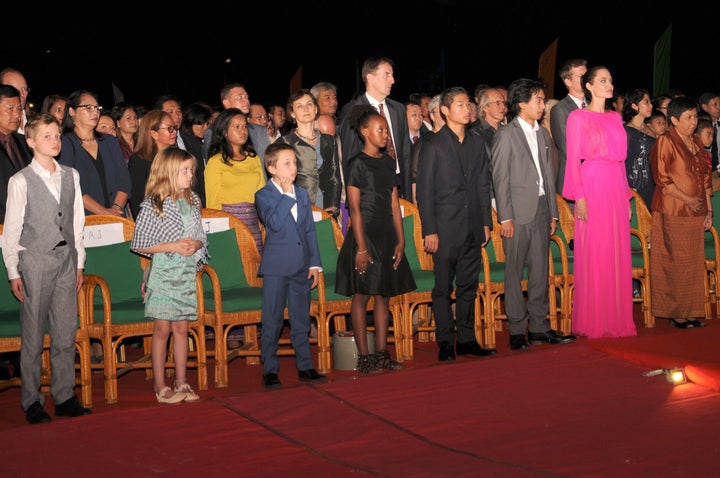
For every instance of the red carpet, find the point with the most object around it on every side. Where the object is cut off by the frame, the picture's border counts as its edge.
(581, 410)
(697, 350)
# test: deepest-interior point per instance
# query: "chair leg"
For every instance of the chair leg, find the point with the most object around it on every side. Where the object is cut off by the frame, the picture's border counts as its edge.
(323, 345)
(648, 318)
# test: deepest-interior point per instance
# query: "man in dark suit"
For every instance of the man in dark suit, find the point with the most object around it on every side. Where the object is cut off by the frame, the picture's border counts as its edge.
(527, 211)
(10, 116)
(290, 264)
(11, 111)
(453, 195)
(571, 73)
(377, 73)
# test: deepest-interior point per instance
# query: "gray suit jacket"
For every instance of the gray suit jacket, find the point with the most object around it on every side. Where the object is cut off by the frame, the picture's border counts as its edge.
(515, 177)
(558, 124)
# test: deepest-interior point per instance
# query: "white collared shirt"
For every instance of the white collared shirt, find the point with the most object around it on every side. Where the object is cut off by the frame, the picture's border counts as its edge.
(16, 201)
(531, 136)
(293, 209)
(375, 104)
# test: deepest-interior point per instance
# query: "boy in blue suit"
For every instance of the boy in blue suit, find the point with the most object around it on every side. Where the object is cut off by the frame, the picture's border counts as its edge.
(290, 264)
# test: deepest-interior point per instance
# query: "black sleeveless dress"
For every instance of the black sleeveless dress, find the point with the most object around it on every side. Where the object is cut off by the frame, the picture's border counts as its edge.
(376, 179)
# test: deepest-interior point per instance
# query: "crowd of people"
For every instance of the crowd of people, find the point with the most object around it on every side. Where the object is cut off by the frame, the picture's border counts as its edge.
(455, 154)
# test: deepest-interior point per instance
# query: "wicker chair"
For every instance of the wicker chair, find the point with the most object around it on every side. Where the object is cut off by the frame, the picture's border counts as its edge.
(115, 311)
(327, 305)
(640, 231)
(232, 292)
(419, 300)
(10, 341)
(712, 261)
(562, 265)
(491, 288)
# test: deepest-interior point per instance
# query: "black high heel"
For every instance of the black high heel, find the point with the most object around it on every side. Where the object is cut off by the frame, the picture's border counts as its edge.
(681, 325)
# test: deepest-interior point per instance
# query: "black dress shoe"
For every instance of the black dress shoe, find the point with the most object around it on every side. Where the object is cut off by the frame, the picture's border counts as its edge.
(473, 348)
(694, 322)
(36, 414)
(447, 352)
(271, 380)
(518, 342)
(71, 408)
(549, 337)
(311, 375)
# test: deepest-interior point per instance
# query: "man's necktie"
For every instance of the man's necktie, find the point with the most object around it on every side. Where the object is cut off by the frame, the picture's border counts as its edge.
(583, 105)
(13, 153)
(414, 138)
(390, 145)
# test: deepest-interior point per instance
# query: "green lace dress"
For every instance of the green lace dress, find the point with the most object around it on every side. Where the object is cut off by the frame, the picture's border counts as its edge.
(171, 292)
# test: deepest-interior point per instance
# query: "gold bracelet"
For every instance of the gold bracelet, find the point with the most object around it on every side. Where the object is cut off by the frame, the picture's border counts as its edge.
(362, 252)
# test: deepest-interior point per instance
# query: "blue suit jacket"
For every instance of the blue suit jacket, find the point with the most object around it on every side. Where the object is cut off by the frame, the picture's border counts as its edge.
(290, 246)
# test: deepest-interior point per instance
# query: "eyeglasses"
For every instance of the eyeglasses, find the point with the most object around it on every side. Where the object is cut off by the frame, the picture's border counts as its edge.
(169, 129)
(261, 117)
(90, 108)
(497, 103)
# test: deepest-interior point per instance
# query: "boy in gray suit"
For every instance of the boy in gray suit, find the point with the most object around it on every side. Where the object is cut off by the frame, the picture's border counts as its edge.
(44, 255)
(527, 212)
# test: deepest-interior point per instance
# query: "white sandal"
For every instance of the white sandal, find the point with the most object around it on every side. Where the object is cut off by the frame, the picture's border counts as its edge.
(190, 395)
(176, 397)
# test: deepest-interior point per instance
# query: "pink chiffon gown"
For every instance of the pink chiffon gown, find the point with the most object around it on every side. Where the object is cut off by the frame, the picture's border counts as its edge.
(595, 170)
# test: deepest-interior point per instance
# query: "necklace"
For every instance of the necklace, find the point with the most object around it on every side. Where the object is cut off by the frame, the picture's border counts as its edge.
(314, 136)
(84, 140)
(643, 128)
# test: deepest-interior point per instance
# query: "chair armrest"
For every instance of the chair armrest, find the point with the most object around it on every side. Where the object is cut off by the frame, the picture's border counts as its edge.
(644, 246)
(562, 247)
(90, 283)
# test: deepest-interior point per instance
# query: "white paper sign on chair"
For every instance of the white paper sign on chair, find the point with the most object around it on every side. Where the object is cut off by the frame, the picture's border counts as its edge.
(103, 234)
(215, 224)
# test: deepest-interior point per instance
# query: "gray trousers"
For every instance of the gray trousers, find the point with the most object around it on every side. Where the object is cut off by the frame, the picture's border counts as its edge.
(50, 281)
(529, 247)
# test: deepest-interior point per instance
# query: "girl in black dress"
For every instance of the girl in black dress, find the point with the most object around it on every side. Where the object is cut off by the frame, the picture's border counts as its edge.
(371, 261)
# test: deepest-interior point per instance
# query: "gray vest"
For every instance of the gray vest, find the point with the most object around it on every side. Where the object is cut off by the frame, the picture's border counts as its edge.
(46, 222)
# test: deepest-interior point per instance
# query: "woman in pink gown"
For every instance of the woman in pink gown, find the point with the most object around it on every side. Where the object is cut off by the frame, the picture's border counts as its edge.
(595, 179)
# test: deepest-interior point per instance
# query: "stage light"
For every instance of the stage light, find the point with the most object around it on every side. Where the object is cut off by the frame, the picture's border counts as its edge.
(676, 375)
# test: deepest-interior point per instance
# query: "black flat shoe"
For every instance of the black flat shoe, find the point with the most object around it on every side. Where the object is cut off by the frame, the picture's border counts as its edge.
(473, 348)
(549, 337)
(446, 353)
(518, 342)
(271, 380)
(36, 414)
(681, 325)
(71, 408)
(311, 375)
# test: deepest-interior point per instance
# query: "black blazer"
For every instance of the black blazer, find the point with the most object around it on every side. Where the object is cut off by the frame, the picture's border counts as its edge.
(352, 143)
(7, 169)
(453, 204)
(194, 146)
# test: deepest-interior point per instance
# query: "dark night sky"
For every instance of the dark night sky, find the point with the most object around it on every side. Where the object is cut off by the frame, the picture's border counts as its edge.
(493, 44)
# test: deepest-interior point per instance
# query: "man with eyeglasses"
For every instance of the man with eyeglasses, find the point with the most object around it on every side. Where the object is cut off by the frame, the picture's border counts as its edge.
(234, 95)
(171, 105)
(258, 115)
(10, 76)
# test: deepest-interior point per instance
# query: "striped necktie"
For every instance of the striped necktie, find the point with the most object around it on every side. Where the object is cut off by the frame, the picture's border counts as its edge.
(390, 145)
